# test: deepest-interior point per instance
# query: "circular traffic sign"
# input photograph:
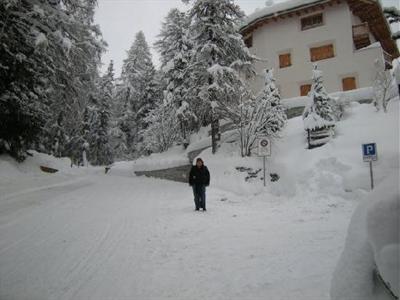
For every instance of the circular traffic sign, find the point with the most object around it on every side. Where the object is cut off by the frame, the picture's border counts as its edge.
(264, 143)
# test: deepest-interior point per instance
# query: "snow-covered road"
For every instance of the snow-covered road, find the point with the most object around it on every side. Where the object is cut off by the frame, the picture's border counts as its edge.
(117, 237)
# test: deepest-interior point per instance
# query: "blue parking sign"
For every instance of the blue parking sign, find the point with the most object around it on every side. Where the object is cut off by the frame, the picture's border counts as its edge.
(369, 152)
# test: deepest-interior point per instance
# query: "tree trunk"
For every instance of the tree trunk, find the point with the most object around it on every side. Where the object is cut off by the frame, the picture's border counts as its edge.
(215, 134)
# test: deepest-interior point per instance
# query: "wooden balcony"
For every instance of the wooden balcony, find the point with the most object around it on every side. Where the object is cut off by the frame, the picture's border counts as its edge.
(361, 36)
(388, 60)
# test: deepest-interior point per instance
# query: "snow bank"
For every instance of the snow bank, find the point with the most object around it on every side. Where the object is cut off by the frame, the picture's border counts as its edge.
(174, 157)
(383, 230)
(372, 240)
(362, 94)
(336, 169)
(10, 169)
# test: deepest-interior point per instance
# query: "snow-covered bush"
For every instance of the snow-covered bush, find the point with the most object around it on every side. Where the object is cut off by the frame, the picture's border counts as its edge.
(263, 116)
(163, 129)
(382, 86)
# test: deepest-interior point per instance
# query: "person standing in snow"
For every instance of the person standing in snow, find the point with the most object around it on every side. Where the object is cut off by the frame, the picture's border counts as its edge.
(199, 179)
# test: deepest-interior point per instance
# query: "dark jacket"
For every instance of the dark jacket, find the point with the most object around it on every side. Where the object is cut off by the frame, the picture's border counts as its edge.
(199, 176)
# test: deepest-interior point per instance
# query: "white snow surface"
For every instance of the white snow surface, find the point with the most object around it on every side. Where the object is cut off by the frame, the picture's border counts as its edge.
(275, 9)
(342, 97)
(173, 157)
(372, 241)
(83, 234)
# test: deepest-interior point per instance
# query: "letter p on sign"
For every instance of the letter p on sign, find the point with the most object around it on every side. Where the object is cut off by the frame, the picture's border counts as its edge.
(369, 152)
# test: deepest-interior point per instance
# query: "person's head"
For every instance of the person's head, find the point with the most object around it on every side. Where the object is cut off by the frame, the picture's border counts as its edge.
(199, 162)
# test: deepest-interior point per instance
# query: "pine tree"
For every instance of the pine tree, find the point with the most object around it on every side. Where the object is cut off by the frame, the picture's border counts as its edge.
(100, 148)
(320, 116)
(220, 56)
(275, 112)
(322, 104)
(175, 50)
(49, 53)
(139, 88)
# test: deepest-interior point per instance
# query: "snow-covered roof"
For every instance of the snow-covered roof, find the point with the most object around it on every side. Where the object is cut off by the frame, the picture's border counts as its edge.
(277, 9)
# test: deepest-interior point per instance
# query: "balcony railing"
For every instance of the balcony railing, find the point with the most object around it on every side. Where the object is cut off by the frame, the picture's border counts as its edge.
(388, 60)
(361, 35)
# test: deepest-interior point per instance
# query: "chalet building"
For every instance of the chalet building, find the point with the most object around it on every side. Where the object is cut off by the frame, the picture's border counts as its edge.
(345, 38)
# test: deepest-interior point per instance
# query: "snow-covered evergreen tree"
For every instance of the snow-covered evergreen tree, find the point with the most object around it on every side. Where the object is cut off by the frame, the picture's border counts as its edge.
(58, 136)
(263, 116)
(138, 73)
(220, 56)
(175, 50)
(100, 152)
(138, 89)
(49, 53)
(125, 118)
(322, 104)
(320, 115)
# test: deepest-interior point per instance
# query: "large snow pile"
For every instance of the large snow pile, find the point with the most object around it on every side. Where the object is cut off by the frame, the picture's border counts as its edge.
(334, 169)
(173, 157)
(372, 243)
(9, 168)
(361, 94)
(17, 178)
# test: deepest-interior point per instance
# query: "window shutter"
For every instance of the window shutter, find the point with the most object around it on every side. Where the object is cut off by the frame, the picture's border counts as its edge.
(305, 89)
(285, 60)
(349, 83)
(323, 52)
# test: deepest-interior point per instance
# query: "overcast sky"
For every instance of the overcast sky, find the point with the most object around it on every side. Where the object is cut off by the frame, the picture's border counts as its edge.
(120, 20)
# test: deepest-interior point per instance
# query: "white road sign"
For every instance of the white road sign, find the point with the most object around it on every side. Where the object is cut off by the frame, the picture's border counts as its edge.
(264, 146)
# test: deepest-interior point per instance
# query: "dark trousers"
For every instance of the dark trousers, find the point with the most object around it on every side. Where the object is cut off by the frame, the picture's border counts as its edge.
(199, 192)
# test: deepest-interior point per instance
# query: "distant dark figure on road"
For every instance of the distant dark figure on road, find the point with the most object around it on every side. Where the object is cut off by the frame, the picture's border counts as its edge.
(199, 179)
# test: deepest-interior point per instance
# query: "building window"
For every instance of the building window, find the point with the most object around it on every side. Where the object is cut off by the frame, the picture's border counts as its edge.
(311, 21)
(349, 83)
(248, 41)
(285, 60)
(322, 52)
(305, 89)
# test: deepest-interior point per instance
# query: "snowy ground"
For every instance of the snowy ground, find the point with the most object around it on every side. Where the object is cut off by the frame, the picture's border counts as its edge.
(111, 237)
(81, 234)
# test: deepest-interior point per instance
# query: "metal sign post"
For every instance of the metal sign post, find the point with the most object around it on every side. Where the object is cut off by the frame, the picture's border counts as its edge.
(264, 150)
(370, 154)
(264, 168)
